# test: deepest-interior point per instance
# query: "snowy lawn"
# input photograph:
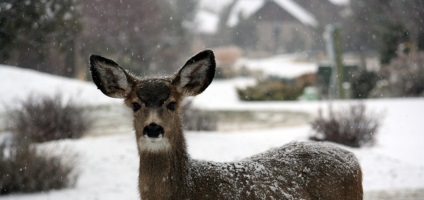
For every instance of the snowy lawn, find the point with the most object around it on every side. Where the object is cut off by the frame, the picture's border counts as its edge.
(287, 66)
(108, 164)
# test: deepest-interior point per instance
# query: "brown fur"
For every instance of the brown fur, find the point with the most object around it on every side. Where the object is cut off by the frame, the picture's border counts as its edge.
(307, 170)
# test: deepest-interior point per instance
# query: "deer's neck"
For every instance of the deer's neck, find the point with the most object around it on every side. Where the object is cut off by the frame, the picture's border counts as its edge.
(164, 175)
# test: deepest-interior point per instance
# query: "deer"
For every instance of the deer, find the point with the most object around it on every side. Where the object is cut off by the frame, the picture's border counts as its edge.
(297, 170)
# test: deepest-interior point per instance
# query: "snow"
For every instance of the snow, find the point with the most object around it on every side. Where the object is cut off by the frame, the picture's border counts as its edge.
(298, 12)
(247, 8)
(280, 65)
(16, 84)
(206, 22)
(108, 165)
(340, 2)
(215, 6)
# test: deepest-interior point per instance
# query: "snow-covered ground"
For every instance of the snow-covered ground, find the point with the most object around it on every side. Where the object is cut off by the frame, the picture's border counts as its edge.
(281, 65)
(108, 165)
(16, 84)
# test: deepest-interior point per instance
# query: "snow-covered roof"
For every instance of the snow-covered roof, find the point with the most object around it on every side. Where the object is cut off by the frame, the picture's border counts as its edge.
(298, 12)
(207, 17)
(247, 8)
(215, 6)
(340, 2)
(206, 22)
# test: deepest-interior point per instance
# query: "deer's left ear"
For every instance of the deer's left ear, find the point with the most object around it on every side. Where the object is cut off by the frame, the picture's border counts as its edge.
(196, 75)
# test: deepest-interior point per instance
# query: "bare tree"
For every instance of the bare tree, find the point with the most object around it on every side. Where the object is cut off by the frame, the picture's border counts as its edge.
(371, 17)
(39, 34)
(140, 34)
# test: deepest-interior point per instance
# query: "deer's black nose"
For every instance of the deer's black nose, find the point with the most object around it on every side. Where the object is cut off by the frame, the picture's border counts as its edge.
(153, 130)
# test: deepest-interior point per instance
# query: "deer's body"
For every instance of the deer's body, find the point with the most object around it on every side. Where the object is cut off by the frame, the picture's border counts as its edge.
(306, 170)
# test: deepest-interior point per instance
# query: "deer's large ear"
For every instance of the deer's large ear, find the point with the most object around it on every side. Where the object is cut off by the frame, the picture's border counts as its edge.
(109, 77)
(196, 75)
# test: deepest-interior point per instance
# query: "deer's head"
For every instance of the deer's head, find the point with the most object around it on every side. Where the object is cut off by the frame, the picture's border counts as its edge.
(155, 102)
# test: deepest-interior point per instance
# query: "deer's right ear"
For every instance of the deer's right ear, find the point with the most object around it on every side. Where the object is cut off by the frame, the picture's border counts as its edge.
(109, 77)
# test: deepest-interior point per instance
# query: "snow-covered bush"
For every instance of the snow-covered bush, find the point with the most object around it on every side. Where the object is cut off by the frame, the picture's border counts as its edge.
(276, 89)
(44, 118)
(403, 77)
(352, 127)
(23, 169)
(270, 90)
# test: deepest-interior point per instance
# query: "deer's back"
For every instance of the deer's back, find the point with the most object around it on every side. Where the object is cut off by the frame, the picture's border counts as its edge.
(306, 170)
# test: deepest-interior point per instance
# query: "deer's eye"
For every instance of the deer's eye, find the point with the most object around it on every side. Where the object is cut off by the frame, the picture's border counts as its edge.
(136, 106)
(171, 106)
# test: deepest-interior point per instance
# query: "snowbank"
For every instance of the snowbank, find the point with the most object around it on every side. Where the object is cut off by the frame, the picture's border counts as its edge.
(17, 84)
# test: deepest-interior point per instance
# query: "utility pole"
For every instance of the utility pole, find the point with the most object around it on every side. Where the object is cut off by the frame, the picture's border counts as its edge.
(332, 36)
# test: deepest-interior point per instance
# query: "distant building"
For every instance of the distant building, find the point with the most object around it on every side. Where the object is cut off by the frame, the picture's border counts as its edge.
(279, 26)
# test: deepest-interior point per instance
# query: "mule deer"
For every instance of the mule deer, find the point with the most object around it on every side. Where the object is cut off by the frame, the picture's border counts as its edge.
(304, 170)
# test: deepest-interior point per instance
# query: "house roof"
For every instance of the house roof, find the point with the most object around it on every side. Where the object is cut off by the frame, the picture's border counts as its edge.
(207, 18)
(248, 8)
(271, 11)
(323, 10)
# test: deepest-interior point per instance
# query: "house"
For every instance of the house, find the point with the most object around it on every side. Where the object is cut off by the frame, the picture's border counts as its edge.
(279, 26)
(282, 26)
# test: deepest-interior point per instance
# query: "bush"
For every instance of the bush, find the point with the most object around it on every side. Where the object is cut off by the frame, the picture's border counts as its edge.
(404, 77)
(225, 72)
(24, 169)
(48, 118)
(270, 90)
(197, 120)
(363, 83)
(392, 35)
(352, 127)
(276, 89)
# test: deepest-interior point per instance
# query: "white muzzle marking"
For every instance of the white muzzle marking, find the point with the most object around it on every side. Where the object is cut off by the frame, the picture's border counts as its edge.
(158, 144)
